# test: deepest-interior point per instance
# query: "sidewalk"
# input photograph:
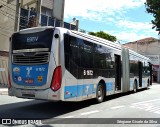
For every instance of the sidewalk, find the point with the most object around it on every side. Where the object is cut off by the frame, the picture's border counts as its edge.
(3, 91)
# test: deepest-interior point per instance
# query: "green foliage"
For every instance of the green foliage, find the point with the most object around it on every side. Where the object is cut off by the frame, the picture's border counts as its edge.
(104, 35)
(153, 7)
(92, 33)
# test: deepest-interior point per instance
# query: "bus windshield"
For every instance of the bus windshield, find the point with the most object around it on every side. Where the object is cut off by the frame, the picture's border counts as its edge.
(39, 40)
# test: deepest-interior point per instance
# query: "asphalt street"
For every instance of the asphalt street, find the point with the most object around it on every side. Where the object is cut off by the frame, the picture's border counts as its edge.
(117, 109)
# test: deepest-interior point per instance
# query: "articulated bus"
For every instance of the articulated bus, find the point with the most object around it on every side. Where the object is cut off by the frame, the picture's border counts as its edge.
(53, 63)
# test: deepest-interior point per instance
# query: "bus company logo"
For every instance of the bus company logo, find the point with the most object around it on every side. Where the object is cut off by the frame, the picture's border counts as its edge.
(19, 78)
(40, 78)
(28, 71)
(16, 69)
(32, 39)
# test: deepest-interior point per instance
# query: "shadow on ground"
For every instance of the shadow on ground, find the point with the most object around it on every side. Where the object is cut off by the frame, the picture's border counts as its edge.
(38, 109)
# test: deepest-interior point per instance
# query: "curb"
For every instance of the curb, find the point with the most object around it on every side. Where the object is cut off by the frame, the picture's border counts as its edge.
(3, 91)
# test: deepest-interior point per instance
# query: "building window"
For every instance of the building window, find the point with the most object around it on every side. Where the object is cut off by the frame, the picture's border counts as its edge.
(46, 11)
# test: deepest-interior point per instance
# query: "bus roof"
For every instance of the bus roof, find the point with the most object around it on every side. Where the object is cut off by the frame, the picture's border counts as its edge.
(34, 29)
(138, 55)
(96, 39)
(84, 36)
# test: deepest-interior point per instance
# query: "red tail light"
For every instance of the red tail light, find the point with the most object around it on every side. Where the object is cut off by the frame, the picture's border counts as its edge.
(9, 80)
(56, 79)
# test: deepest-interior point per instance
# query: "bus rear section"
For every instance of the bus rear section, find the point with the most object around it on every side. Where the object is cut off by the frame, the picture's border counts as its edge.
(34, 70)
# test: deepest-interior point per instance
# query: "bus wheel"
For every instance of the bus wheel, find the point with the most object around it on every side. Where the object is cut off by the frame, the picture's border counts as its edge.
(135, 87)
(100, 93)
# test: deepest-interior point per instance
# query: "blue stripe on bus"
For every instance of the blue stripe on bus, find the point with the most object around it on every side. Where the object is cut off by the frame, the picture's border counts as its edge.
(131, 84)
(83, 90)
(109, 86)
(79, 90)
(143, 83)
(70, 91)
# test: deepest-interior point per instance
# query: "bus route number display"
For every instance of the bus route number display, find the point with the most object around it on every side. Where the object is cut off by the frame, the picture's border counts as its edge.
(88, 72)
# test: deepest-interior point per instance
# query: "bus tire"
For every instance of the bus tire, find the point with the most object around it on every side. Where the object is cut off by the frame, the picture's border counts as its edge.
(135, 86)
(100, 93)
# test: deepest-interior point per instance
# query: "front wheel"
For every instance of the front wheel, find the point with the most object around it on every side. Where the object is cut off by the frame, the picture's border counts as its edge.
(100, 93)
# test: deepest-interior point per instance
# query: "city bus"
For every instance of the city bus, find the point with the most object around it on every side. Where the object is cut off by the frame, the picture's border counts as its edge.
(57, 64)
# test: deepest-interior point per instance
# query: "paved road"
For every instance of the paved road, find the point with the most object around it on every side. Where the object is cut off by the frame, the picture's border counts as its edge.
(143, 104)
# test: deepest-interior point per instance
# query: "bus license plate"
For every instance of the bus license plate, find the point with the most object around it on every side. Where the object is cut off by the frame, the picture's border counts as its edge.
(28, 94)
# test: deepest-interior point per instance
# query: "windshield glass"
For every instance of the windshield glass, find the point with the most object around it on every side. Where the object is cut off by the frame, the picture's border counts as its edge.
(29, 41)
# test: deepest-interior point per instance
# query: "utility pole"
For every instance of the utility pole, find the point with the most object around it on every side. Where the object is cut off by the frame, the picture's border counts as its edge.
(58, 10)
(16, 22)
(38, 10)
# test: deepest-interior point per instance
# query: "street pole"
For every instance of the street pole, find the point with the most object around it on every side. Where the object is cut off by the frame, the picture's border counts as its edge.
(58, 10)
(38, 9)
(16, 22)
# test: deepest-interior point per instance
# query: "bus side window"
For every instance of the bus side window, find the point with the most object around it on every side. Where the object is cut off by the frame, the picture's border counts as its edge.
(71, 53)
(66, 43)
(67, 51)
(87, 55)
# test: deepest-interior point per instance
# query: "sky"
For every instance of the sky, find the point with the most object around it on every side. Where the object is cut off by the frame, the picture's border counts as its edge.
(125, 19)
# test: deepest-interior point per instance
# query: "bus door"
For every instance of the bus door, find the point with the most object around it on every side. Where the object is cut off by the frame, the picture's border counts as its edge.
(117, 72)
(140, 73)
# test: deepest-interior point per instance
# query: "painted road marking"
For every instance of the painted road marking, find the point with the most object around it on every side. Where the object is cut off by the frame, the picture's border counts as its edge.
(147, 106)
(147, 101)
(67, 117)
(91, 112)
(117, 107)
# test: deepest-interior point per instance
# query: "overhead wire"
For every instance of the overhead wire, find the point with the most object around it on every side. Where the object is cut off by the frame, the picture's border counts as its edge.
(6, 6)
(4, 29)
(2, 12)
(7, 30)
(9, 3)
(14, 11)
(12, 17)
(8, 13)
(4, 34)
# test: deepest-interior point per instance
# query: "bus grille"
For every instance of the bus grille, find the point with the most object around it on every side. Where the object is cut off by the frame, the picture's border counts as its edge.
(30, 58)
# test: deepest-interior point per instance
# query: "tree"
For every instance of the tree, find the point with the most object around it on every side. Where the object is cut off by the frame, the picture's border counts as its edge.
(153, 7)
(104, 35)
